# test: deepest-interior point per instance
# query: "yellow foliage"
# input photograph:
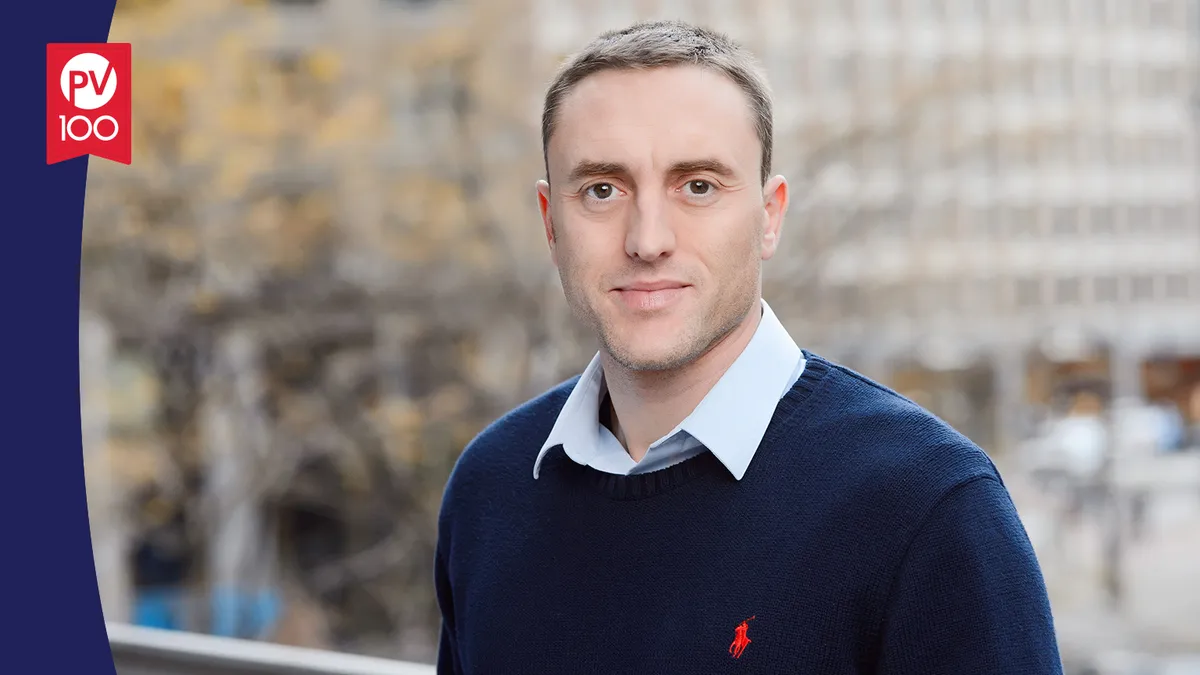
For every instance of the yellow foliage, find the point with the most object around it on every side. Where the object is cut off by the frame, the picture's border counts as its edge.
(177, 242)
(446, 44)
(359, 118)
(253, 121)
(448, 402)
(238, 166)
(132, 461)
(205, 302)
(478, 254)
(325, 65)
(398, 414)
(196, 148)
(185, 74)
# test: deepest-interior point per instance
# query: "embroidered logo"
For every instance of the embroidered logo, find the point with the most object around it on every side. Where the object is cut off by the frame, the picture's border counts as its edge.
(740, 639)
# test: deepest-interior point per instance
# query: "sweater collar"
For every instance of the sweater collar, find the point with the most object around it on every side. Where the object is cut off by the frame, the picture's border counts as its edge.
(730, 421)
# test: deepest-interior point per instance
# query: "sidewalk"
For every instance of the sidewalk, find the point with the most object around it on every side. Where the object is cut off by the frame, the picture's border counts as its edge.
(1161, 576)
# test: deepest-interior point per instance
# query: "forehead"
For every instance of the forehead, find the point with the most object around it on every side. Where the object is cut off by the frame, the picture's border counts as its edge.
(649, 119)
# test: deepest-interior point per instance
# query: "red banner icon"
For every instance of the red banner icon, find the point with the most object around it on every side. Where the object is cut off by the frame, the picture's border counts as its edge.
(88, 101)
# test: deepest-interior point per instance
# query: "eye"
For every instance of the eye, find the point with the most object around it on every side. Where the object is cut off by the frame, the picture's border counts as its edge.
(698, 188)
(601, 191)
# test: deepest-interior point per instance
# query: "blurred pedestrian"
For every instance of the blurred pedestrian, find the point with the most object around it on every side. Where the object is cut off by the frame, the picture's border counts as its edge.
(161, 562)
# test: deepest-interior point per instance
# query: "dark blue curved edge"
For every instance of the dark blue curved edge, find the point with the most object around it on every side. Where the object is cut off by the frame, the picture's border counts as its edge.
(50, 596)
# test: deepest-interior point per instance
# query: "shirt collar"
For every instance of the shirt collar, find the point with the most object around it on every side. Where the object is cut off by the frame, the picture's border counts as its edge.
(731, 419)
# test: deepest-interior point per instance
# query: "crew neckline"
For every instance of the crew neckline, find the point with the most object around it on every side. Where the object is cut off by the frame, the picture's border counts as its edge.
(652, 483)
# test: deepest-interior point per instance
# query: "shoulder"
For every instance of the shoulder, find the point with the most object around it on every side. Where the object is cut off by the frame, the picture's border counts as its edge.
(506, 448)
(887, 447)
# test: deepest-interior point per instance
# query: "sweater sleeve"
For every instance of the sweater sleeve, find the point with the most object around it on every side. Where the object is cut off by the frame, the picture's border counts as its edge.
(969, 596)
(447, 658)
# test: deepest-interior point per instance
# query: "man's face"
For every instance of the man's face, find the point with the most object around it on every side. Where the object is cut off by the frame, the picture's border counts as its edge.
(657, 219)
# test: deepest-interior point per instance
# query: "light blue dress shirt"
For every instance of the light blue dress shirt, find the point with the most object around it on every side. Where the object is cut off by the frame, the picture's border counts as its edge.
(729, 422)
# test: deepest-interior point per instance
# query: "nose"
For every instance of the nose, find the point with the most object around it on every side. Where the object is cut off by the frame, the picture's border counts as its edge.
(650, 235)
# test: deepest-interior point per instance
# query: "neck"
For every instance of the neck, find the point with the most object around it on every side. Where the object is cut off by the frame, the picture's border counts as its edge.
(646, 405)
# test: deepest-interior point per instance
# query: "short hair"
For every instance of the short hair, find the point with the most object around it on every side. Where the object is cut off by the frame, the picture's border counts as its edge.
(660, 44)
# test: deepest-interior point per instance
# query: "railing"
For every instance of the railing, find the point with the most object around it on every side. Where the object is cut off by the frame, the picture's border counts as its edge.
(149, 651)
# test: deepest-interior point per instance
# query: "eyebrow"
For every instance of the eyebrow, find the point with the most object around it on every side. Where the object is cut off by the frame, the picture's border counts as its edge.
(591, 169)
(703, 166)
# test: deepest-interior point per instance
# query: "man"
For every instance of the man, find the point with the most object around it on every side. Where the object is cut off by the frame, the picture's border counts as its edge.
(706, 497)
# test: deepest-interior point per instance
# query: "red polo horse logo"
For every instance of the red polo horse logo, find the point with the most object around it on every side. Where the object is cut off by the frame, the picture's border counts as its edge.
(740, 639)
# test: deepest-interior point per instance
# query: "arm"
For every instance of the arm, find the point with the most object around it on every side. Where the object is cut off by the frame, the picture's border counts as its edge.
(969, 596)
(447, 659)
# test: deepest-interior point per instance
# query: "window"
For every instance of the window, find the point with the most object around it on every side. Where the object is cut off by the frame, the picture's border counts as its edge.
(1087, 79)
(1104, 79)
(893, 222)
(1024, 222)
(936, 222)
(1162, 150)
(1142, 288)
(877, 10)
(842, 72)
(1055, 149)
(982, 294)
(1068, 291)
(1127, 149)
(1066, 221)
(1106, 289)
(1157, 81)
(933, 9)
(1086, 150)
(1123, 80)
(1124, 11)
(1173, 219)
(1029, 292)
(836, 9)
(1053, 11)
(1102, 220)
(1066, 76)
(937, 296)
(981, 11)
(996, 223)
(1177, 286)
(1097, 148)
(1096, 11)
(1111, 148)
(1159, 14)
(1140, 220)
(1018, 10)
(1187, 13)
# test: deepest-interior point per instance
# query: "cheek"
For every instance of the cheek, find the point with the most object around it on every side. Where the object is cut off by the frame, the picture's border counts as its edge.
(733, 250)
(580, 257)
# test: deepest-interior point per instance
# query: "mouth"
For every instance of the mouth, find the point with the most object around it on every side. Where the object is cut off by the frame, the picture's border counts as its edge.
(651, 296)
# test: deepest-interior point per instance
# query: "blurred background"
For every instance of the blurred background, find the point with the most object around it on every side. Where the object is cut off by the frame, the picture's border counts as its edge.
(324, 273)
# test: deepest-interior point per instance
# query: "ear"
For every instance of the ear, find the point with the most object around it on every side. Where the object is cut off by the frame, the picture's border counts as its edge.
(775, 203)
(543, 197)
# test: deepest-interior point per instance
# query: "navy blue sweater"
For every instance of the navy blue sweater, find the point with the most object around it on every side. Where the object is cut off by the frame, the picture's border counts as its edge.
(866, 537)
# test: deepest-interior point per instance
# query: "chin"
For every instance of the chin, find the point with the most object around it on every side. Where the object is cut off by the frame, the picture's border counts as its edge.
(650, 356)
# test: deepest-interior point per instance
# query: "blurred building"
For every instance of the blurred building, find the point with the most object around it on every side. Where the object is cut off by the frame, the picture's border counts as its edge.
(993, 195)
(324, 271)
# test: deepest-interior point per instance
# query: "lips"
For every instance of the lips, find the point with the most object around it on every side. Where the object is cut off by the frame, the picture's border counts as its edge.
(647, 296)
(651, 286)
